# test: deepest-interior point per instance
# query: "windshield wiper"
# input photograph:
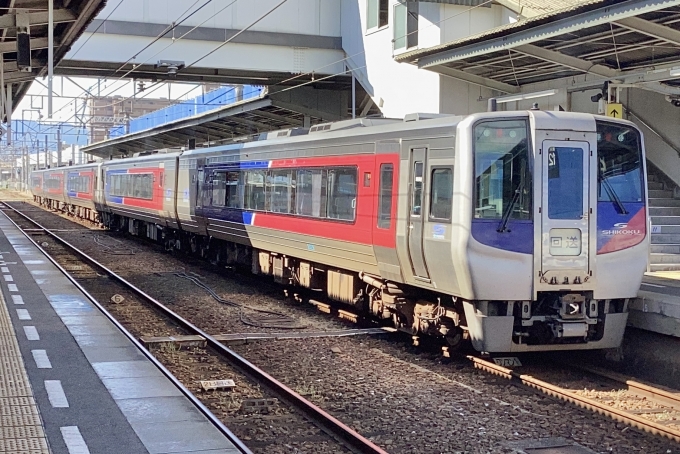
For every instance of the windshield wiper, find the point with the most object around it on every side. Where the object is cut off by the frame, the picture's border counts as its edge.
(503, 226)
(613, 195)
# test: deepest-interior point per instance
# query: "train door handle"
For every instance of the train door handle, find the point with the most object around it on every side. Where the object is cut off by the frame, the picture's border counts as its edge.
(410, 226)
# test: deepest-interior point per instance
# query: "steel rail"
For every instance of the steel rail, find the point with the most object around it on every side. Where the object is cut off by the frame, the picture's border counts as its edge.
(183, 389)
(328, 423)
(583, 402)
(659, 395)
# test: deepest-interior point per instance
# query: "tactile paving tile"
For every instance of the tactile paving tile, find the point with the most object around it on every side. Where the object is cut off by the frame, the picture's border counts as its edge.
(15, 446)
(21, 430)
(17, 410)
(9, 350)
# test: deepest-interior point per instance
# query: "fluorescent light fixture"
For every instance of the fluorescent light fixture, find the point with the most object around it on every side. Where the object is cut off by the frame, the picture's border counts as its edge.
(523, 96)
(674, 72)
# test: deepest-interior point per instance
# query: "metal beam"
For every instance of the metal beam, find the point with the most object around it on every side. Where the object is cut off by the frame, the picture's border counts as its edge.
(506, 39)
(651, 29)
(325, 116)
(87, 12)
(38, 18)
(212, 133)
(565, 60)
(214, 34)
(281, 118)
(519, 9)
(474, 79)
(11, 46)
(195, 74)
(253, 124)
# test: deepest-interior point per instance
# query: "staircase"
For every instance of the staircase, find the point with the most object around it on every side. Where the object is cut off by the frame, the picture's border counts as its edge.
(664, 210)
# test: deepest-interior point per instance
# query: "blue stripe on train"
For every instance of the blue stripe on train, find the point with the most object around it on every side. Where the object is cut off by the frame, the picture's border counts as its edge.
(107, 196)
(236, 215)
(239, 165)
(609, 220)
(519, 236)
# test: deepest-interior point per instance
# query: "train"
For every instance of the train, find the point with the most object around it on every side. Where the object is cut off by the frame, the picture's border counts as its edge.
(521, 231)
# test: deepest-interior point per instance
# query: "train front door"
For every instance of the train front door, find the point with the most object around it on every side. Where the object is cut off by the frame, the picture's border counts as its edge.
(416, 211)
(565, 214)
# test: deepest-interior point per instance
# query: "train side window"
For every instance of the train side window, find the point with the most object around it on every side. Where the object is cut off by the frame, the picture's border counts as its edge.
(441, 194)
(417, 194)
(385, 196)
(342, 193)
(254, 190)
(219, 189)
(146, 190)
(281, 191)
(310, 198)
(137, 186)
(233, 190)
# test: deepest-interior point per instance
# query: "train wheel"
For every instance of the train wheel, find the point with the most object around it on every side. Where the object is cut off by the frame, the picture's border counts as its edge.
(455, 339)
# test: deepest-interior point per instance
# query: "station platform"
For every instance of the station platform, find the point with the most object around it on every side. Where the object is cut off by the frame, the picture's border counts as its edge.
(71, 382)
(657, 307)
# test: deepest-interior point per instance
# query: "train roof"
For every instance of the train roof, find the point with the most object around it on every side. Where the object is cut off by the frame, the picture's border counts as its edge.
(348, 130)
(420, 125)
(69, 168)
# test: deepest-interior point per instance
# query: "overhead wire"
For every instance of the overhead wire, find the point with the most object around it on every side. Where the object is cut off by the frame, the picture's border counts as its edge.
(180, 37)
(165, 32)
(175, 24)
(312, 72)
(270, 11)
(234, 36)
(308, 73)
(95, 30)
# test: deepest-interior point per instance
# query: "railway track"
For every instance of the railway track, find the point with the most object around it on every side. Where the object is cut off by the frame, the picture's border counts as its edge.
(643, 406)
(71, 264)
(358, 407)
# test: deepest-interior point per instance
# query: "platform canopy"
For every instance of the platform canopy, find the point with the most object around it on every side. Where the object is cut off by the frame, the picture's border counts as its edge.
(633, 42)
(70, 18)
(239, 121)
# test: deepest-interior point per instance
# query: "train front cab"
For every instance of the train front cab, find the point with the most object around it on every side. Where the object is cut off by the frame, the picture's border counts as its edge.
(589, 247)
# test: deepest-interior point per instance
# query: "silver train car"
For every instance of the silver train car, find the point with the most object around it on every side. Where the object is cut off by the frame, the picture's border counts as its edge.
(526, 231)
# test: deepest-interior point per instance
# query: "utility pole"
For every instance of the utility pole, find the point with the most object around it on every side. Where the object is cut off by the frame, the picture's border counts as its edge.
(58, 146)
(48, 156)
(27, 168)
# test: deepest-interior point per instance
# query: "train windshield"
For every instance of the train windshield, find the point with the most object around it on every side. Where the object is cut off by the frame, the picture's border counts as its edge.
(619, 155)
(503, 184)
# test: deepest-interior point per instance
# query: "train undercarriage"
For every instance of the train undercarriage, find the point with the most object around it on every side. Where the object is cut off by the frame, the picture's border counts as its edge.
(566, 318)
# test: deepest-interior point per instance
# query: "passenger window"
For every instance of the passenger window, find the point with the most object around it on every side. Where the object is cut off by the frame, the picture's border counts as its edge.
(219, 189)
(311, 193)
(232, 190)
(417, 195)
(385, 196)
(342, 193)
(254, 190)
(441, 194)
(281, 191)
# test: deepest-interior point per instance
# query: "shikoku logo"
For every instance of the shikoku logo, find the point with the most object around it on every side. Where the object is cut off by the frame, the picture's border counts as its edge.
(621, 228)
